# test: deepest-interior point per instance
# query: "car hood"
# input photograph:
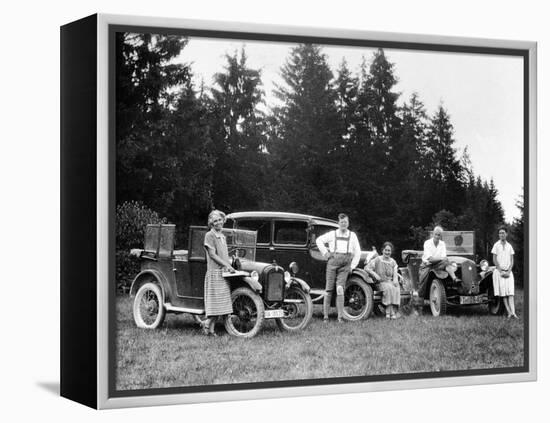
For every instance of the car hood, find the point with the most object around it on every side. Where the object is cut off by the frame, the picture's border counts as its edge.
(249, 266)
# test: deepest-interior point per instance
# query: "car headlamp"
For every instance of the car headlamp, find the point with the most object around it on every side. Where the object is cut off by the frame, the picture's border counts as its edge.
(454, 266)
(483, 265)
(294, 268)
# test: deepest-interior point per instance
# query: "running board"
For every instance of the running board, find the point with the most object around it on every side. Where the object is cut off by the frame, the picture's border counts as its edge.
(170, 307)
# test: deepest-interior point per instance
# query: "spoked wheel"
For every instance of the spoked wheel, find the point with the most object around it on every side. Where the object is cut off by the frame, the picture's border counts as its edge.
(149, 306)
(298, 309)
(438, 298)
(248, 313)
(358, 300)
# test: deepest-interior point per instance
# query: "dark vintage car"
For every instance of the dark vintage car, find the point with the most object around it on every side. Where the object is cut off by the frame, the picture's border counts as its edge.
(172, 281)
(288, 239)
(474, 283)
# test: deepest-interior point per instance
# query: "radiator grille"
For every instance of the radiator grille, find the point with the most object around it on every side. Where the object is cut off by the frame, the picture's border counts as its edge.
(275, 283)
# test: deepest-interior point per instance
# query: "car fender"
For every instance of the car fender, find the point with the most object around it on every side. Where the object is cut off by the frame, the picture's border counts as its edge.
(300, 283)
(486, 278)
(362, 274)
(440, 274)
(255, 285)
(146, 275)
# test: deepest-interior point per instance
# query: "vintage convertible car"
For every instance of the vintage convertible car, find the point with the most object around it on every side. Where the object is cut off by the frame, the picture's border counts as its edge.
(474, 284)
(172, 281)
(289, 240)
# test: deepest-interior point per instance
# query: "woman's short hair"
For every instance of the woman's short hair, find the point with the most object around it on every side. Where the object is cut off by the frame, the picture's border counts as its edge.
(387, 244)
(502, 228)
(213, 215)
(342, 216)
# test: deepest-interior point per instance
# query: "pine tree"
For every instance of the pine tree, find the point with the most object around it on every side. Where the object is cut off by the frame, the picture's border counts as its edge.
(145, 80)
(442, 170)
(238, 130)
(305, 134)
(518, 239)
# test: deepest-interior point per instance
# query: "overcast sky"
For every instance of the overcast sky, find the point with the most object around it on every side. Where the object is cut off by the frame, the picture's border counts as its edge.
(483, 95)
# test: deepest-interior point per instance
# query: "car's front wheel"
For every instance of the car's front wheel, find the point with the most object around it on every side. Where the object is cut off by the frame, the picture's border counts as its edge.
(298, 309)
(248, 313)
(438, 298)
(358, 299)
(149, 309)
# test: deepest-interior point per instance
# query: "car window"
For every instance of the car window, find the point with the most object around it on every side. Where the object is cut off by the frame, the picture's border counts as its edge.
(289, 232)
(263, 227)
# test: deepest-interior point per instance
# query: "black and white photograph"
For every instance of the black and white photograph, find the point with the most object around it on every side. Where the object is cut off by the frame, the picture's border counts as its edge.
(295, 210)
(190, 188)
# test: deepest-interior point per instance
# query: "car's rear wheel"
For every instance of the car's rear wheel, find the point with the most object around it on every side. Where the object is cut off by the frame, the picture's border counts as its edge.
(298, 310)
(149, 309)
(438, 298)
(248, 313)
(358, 299)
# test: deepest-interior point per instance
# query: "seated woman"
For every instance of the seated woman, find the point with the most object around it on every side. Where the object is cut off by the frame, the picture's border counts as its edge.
(384, 270)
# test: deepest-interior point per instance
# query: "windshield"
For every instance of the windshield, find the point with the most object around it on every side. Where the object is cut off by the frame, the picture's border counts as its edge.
(458, 242)
(241, 243)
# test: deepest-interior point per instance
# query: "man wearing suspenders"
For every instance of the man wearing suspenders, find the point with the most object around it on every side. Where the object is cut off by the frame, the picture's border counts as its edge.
(343, 254)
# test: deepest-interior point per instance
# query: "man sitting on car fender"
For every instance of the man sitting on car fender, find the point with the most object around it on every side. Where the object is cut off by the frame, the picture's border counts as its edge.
(434, 258)
(343, 254)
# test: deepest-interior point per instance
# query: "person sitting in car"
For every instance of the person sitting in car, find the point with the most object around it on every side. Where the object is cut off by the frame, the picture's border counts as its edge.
(384, 270)
(433, 258)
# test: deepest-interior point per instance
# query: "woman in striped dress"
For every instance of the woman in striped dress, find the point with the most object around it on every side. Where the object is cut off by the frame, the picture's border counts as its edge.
(217, 295)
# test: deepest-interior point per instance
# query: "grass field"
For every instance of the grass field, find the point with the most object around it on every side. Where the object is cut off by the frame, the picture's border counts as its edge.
(178, 354)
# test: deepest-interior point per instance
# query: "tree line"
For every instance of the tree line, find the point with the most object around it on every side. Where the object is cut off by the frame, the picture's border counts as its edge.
(336, 140)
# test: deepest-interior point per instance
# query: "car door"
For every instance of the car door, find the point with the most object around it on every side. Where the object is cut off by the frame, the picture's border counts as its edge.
(190, 274)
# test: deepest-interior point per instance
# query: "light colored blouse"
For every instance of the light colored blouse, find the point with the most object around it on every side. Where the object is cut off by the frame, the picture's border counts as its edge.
(386, 269)
(504, 253)
(215, 241)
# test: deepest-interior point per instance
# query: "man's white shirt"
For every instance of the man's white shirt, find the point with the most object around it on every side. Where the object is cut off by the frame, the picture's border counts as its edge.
(340, 246)
(431, 250)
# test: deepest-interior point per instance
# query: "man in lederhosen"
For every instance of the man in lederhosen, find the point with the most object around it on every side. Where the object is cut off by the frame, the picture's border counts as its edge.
(343, 254)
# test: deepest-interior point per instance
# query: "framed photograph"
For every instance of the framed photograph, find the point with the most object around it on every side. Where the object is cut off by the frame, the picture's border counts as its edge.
(254, 211)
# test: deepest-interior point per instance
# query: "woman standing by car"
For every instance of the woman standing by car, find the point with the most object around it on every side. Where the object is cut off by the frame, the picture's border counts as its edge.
(217, 294)
(384, 269)
(503, 278)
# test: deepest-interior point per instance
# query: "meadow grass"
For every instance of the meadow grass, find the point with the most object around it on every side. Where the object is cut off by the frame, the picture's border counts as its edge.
(178, 354)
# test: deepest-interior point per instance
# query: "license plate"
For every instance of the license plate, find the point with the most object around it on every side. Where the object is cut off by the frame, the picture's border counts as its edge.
(274, 314)
(475, 299)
